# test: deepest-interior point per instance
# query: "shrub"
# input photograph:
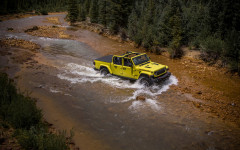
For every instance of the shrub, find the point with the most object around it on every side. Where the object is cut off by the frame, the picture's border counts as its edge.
(39, 138)
(157, 50)
(175, 50)
(212, 48)
(8, 91)
(21, 113)
(15, 108)
(44, 12)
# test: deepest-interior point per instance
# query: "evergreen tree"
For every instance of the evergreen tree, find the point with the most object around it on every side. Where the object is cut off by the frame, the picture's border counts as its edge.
(81, 15)
(133, 25)
(87, 6)
(102, 12)
(73, 11)
(175, 45)
(93, 12)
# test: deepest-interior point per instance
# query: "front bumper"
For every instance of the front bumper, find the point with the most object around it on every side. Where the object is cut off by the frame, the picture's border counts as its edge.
(162, 78)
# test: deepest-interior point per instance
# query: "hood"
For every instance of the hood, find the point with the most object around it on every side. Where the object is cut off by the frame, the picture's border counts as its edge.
(152, 66)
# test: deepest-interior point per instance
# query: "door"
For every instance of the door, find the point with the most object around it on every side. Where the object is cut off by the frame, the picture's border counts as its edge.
(127, 68)
(117, 66)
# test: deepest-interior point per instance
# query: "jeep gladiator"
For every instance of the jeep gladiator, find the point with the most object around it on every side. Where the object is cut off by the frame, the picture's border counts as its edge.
(134, 66)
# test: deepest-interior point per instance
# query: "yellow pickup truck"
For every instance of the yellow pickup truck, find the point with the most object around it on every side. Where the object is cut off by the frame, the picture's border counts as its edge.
(134, 66)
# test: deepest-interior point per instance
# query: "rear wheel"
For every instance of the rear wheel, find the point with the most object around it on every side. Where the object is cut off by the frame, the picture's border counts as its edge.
(104, 71)
(146, 81)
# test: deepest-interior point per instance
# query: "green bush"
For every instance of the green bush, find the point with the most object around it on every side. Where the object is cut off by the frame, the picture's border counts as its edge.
(21, 113)
(8, 91)
(175, 50)
(44, 12)
(39, 138)
(212, 48)
(15, 108)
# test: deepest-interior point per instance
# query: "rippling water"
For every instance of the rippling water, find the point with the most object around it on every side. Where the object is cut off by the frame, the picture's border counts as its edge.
(75, 73)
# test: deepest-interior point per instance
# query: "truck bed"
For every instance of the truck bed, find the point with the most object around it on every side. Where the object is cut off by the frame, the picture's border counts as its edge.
(107, 58)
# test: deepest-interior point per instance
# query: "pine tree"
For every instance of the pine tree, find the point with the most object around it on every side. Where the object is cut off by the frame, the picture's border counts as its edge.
(175, 44)
(86, 6)
(102, 12)
(73, 11)
(93, 12)
(81, 15)
(132, 25)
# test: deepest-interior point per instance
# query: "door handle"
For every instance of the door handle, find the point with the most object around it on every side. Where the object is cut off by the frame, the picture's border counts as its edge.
(124, 68)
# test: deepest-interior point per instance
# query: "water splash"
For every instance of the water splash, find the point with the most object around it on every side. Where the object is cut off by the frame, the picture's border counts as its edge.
(75, 73)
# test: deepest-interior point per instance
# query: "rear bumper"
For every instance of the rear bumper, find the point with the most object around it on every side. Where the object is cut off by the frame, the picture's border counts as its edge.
(162, 78)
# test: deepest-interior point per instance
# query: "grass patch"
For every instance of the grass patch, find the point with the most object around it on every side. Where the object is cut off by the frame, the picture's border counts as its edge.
(21, 113)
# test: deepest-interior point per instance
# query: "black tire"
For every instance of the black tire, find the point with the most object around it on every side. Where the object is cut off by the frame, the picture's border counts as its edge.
(146, 81)
(104, 71)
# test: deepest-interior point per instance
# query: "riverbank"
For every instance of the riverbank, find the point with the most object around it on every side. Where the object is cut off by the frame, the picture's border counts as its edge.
(33, 132)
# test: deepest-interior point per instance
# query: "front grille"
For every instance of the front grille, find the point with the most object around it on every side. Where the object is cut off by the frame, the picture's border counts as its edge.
(161, 71)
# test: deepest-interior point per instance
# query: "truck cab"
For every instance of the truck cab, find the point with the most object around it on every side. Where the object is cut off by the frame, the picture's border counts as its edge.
(134, 66)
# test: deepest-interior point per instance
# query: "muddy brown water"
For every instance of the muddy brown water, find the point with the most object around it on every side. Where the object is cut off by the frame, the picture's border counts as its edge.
(102, 110)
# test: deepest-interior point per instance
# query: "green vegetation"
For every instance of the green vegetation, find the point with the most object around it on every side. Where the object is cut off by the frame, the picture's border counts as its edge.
(22, 114)
(72, 11)
(210, 26)
(42, 6)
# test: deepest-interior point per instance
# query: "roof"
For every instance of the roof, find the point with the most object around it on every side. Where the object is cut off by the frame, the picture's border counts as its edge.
(131, 54)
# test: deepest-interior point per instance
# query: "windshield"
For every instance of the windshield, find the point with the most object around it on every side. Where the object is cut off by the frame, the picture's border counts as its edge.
(140, 59)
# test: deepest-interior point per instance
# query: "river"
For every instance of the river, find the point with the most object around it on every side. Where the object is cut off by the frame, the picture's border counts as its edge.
(103, 110)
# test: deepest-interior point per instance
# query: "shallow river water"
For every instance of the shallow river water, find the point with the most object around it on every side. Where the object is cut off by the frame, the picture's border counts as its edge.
(106, 106)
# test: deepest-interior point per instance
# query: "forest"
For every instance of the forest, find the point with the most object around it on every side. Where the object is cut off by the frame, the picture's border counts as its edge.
(211, 26)
(19, 6)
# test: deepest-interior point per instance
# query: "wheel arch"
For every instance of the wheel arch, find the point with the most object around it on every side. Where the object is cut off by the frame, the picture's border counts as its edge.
(107, 67)
(143, 75)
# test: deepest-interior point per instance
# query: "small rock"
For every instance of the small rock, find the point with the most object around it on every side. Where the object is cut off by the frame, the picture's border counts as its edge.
(142, 98)
(10, 29)
(77, 148)
(40, 86)
(197, 104)
(199, 92)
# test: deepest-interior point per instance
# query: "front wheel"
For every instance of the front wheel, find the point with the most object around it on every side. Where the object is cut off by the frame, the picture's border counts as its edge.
(104, 71)
(146, 81)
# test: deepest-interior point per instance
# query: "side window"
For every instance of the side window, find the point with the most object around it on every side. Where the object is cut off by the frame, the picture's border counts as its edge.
(127, 62)
(117, 60)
